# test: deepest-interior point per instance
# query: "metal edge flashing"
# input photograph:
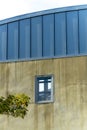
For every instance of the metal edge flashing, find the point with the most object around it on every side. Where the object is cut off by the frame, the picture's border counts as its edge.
(44, 12)
(42, 58)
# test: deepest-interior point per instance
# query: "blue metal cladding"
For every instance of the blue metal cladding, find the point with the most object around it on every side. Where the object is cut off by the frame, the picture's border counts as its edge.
(47, 34)
(60, 34)
(83, 31)
(72, 33)
(36, 37)
(3, 41)
(12, 46)
(24, 39)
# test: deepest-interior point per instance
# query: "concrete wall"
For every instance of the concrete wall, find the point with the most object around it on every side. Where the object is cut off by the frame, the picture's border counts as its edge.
(69, 110)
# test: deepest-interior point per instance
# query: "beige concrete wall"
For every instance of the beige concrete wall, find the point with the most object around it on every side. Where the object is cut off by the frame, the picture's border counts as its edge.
(69, 110)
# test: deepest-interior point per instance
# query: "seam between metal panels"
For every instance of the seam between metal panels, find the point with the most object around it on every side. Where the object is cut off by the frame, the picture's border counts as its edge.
(30, 38)
(18, 39)
(42, 36)
(66, 31)
(78, 35)
(54, 35)
(7, 44)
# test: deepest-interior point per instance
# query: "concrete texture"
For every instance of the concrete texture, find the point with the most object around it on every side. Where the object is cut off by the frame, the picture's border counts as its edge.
(69, 109)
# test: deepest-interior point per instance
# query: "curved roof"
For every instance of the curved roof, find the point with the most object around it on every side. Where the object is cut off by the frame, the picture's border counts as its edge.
(39, 13)
(52, 33)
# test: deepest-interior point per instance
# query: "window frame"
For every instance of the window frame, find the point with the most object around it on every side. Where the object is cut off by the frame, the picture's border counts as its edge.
(44, 77)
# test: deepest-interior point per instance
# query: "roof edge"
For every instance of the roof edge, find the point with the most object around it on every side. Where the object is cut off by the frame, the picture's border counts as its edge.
(43, 12)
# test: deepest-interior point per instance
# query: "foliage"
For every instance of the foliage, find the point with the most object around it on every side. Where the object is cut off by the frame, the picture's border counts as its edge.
(15, 105)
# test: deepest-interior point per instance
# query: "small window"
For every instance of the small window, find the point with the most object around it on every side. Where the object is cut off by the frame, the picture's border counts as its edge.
(44, 89)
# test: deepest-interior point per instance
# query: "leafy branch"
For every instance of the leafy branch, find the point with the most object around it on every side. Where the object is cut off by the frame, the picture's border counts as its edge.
(15, 105)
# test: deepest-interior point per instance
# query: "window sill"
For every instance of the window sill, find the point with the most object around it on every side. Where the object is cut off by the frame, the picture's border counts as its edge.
(44, 102)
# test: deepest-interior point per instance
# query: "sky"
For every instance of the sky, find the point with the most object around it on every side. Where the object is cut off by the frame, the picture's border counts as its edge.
(11, 8)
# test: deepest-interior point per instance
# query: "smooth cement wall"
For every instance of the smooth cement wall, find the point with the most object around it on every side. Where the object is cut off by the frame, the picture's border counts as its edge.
(69, 109)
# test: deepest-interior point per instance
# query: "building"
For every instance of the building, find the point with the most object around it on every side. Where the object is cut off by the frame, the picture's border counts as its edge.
(44, 55)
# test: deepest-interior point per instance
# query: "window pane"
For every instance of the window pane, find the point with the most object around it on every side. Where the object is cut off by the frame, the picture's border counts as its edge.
(49, 80)
(41, 87)
(48, 96)
(41, 97)
(41, 81)
(49, 86)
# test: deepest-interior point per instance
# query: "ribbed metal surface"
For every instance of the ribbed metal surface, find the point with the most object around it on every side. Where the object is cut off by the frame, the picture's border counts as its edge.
(49, 35)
